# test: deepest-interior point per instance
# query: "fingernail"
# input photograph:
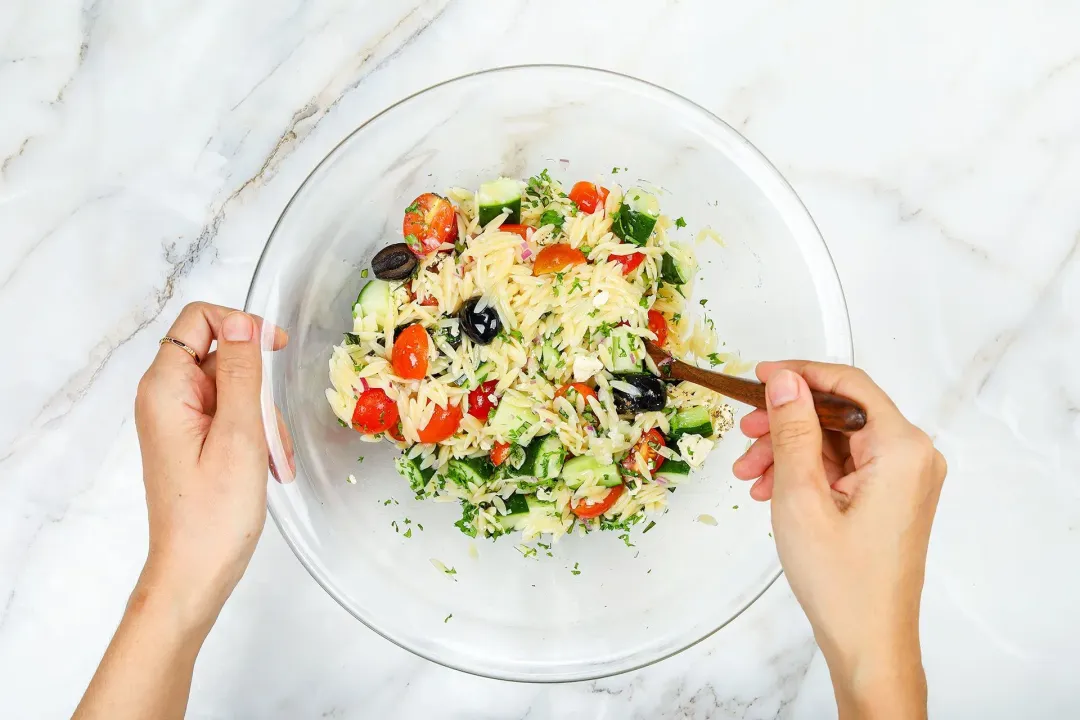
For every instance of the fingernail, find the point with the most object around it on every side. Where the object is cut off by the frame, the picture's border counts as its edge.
(238, 327)
(783, 387)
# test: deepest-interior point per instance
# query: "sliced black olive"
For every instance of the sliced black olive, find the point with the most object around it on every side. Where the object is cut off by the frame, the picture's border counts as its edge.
(650, 394)
(481, 326)
(394, 262)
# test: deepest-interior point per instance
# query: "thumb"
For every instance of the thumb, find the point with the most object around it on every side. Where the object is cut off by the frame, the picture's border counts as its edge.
(795, 433)
(239, 381)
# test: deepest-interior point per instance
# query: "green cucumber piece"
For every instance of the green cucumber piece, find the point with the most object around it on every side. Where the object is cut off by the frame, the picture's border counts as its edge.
(576, 470)
(498, 196)
(694, 420)
(517, 519)
(374, 300)
(550, 361)
(675, 271)
(514, 419)
(470, 471)
(672, 471)
(636, 217)
(517, 504)
(409, 468)
(483, 372)
(623, 351)
(543, 458)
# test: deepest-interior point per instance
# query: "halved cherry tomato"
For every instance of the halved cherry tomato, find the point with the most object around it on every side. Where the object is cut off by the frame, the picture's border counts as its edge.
(409, 356)
(429, 222)
(556, 258)
(394, 431)
(588, 196)
(442, 425)
(648, 448)
(586, 510)
(523, 230)
(658, 326)
(482, 400)
(499, 452)
(629, 262)
(374, 412)
(582, 389)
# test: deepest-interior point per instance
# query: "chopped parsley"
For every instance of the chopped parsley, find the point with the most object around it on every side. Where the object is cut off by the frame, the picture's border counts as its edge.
(644, 301)
(516, 334)
(676, 318)
(415, 207)
(408, 533)
(576, 285)
(714, 359)
(702, 301)
(625, 537)
(360, 459)
(526, 551)
(450, 571)
(734, 507)
(650, 526)
(575, 571)
(679, 222)
(394, 525)
(552, 217)
(420, 526)
(342, 423)
(467, 523)
(447, 618)
(614, 171)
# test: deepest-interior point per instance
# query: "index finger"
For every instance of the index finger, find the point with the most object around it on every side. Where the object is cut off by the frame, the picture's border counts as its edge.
(198, 325)
(843, 380)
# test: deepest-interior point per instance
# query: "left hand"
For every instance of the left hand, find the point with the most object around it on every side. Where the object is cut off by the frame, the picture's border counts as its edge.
(204, 456)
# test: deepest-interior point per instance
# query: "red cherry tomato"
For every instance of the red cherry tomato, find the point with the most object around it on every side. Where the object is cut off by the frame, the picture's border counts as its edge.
(523, 230)
(394, 431)
(429, 222)
(588, 196)
(499, 452)
(586, 510)
(374, 412)
(556, 258)
(648, 448)
(658, 327)
(442, 425)
(409, 356)
(482, 400)
(581, 388)
(629, 262)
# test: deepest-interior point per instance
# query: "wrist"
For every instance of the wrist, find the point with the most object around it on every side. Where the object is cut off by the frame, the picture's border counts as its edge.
(885, 680)
(184, 608)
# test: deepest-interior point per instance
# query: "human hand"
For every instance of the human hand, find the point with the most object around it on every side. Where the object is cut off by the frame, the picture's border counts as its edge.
(204, 457)
(851, 517)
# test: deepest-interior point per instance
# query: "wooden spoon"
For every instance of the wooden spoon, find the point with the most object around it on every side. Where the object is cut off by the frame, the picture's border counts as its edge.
(834, 412)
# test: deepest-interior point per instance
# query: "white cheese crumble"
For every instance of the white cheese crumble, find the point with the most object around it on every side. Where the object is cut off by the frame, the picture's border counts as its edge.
(694, 449)
(585, 367)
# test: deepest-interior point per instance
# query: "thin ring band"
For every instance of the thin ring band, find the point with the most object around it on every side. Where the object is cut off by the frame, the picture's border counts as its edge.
(183, 346)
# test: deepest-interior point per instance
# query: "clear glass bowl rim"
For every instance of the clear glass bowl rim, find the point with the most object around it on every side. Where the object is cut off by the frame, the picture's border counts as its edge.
(796, 204)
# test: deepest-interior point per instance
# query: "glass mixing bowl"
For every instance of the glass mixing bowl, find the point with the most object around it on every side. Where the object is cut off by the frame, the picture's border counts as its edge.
(595, 606)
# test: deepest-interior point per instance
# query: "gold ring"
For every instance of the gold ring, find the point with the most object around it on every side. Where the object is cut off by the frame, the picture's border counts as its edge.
(183, 346)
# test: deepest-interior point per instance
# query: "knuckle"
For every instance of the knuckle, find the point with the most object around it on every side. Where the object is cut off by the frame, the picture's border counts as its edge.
(193, 308)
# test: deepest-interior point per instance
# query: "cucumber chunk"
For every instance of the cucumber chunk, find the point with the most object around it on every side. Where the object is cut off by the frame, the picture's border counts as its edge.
(672, 471)
(514, 420)
(374, 300)
(675, 271)
(483, 372)
(543, 458)
(470, 471)
(517, 519)
(498, 196)
(622, 351)
(636, 217)
(694, 420)
(576, 470)
(409, 468)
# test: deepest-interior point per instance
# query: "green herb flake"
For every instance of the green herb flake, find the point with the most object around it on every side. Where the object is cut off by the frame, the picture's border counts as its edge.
(614, 171)
(415, 207)
(575, 571)
(576, 285)
(450, 571)
(447, 618)
(408, 533)
(734, 507)
(516, 334)
(360, 459)
(420, 526)
(702, 301)
(714, 359)
(394, 525)
(552, 217)
(342, 423)
(676, 318)
(644, 301)
(650, 526)
(680, 223)
(625, 537)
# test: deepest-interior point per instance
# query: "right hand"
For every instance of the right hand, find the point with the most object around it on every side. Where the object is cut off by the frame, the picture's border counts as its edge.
(851, 516)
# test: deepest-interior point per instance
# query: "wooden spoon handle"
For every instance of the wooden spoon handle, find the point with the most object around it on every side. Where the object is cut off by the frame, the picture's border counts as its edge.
(834, 412)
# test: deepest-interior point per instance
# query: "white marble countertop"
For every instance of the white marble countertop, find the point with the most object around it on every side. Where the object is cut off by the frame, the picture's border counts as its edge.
(146, 149)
